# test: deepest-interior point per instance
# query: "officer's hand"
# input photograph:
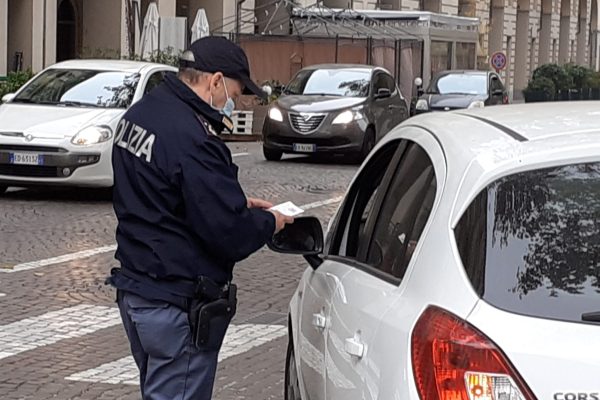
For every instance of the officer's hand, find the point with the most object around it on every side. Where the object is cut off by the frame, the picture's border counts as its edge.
(258, 203)
(281, 220)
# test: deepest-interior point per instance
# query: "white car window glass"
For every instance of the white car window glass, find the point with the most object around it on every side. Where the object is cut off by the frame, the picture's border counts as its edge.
(403, 214)
(78, 87)
(530, 242)
(350, 229)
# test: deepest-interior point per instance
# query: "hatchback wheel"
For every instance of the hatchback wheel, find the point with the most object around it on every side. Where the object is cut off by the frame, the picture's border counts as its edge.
(368, 145)
(292, 385)
(272, 154)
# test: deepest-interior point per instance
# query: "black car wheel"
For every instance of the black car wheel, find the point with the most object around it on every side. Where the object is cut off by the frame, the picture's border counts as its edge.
(3, 189)
(292, 385)
(272, 154)
(368, 144)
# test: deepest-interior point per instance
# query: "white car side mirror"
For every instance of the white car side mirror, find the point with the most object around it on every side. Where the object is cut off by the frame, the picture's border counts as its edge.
(418, 82)
(8, 97)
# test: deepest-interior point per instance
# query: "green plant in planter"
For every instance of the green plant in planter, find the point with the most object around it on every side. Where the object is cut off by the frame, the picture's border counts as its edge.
(557, 74)
(14, 81)
(540, 89)
(579, 75)
(168, 56)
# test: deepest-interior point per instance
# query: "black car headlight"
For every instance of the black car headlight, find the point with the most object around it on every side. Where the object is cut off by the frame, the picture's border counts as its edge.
(275, 114)
(345, 117)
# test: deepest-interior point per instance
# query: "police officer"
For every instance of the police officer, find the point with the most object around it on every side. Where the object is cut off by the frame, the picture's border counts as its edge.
(183, 221)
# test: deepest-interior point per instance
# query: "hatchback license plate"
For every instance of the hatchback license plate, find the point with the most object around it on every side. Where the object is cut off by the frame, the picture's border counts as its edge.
(305, 148)
(26, 159)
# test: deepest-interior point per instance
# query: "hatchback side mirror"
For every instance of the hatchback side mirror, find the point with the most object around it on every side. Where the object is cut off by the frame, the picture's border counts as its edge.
(8, 97)
(303, 237)
(383, 93)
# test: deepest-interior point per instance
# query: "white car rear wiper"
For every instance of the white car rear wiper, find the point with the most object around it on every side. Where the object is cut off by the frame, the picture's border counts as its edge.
(591, 316)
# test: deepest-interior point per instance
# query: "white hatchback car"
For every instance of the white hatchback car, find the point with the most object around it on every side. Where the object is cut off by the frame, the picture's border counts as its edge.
(58, 128)
(464, 263)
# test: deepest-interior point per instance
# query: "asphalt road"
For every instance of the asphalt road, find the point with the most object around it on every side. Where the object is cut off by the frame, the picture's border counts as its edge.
(60, 333)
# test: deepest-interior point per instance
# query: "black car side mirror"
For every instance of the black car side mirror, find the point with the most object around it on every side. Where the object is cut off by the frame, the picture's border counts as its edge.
(303, 237)
(383, 93)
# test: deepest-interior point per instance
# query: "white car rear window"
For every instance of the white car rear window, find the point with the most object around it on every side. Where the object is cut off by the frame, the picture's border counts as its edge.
(530, 242)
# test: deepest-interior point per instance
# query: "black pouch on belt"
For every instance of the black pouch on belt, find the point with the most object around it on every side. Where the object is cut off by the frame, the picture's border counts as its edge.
(209, 319)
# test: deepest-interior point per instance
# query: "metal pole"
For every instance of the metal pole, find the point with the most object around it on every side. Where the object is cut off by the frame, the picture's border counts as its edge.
(337, 39)
(238, 17)
(44, 39)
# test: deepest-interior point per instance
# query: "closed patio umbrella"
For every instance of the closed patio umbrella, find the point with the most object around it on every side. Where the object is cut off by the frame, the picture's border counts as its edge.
(200, 27)
(149, 39)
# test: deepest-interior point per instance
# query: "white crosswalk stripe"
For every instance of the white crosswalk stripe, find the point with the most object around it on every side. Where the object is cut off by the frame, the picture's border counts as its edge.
(239, 339)
(36, 332)
(31, 333)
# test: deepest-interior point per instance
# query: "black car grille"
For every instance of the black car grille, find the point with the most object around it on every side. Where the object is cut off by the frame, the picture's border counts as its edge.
(24, 147)
(305, 124)
(29, 170)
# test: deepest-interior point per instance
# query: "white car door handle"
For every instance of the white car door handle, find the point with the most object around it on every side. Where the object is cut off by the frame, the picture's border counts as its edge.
(354, 347)
(319, 320)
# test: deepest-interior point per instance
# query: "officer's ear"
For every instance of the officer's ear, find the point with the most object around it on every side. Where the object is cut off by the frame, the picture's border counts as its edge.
(216, 80)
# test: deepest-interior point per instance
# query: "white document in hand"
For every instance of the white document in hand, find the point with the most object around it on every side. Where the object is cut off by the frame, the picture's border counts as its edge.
(288, 208)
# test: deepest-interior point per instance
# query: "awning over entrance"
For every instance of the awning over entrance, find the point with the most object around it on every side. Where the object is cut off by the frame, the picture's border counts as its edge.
(448, 41)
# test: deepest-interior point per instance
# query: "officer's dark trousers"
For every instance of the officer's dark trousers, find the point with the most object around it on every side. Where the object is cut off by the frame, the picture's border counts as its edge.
(171, 367)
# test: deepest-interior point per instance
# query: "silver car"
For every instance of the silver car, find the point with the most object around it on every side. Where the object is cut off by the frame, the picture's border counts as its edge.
(333, 108)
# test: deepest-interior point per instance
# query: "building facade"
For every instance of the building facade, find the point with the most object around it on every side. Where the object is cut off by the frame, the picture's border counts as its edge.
(37, 33)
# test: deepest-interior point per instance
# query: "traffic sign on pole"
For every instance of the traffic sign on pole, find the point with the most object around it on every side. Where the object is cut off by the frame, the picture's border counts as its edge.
(498, 61)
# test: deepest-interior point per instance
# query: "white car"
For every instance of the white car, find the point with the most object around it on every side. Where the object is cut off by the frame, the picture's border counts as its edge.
(58, 128)
(464, 263)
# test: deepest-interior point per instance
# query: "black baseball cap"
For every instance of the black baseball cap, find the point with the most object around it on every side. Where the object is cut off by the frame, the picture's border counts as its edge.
(217, 54)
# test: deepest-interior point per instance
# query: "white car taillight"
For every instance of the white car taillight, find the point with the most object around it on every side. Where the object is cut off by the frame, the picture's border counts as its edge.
(452, 360)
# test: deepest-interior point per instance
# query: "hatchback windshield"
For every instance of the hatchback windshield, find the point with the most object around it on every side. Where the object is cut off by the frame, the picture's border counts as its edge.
(531, 242)
(474, 84)
(81, 88)
(331, 82)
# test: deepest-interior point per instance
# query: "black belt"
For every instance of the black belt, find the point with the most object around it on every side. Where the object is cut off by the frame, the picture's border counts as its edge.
(204, 287)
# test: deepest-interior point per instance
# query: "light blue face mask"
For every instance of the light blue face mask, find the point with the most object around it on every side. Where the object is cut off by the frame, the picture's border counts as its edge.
(229, 106)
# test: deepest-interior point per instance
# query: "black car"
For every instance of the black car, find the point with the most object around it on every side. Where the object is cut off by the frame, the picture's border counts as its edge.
(335, 109)
(452, 90)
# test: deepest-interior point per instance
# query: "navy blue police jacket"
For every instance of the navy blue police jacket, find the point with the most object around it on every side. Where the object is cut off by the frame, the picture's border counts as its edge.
(181, 211)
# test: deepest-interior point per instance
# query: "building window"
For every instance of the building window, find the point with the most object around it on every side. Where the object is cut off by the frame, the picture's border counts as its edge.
(441, 56)
(465, 55)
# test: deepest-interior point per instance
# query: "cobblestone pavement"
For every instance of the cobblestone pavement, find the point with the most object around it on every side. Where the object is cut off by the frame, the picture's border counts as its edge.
(60, 333)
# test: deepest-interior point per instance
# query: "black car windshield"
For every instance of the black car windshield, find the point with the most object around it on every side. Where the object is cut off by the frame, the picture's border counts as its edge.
(331, 82)
(474, 84)
(81, 88)
(531, 242)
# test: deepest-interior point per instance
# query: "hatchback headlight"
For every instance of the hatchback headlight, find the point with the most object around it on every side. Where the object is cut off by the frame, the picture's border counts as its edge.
(422, 105)
(345, 117)
(275, 114)
(92, 135)
(477, 104)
